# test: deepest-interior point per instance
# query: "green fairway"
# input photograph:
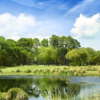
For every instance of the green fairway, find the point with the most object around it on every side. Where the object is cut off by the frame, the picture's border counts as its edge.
(51, 70)
(31, 67)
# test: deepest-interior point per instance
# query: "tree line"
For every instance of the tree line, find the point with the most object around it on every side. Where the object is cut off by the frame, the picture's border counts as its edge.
(55, 51)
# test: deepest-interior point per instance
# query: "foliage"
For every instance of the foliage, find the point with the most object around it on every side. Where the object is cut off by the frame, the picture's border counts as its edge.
(58, 50)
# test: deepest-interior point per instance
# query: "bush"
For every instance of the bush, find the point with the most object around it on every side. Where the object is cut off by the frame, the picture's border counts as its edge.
(94, 69)
(65, 68)
(27, 71)
(52, 70)
(64, 72)
(18, 70)
(47, 70)
(89, 69)
(1, 71)
(16, 94)
(35, 70)
(76, 74)
(78, 70)
(41, 70)
(99, 70)
(72, 70)
(83, 71)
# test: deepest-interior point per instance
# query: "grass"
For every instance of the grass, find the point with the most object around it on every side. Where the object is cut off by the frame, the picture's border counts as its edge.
(57, 95)
(14, 94)
(51, 70)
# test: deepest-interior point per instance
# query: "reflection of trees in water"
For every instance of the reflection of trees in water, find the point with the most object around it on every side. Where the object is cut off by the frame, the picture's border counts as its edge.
(43, 86)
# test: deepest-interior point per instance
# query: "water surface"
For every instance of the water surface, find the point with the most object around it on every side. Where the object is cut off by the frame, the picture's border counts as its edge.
(37, 86)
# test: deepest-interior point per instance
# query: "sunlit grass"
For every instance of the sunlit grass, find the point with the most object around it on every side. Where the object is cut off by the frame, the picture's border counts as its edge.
(51, 70)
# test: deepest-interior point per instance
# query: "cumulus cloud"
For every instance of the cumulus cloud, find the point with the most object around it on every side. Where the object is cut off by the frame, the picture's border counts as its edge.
(15, 38)
(27, 26)
(86, 27)
(12, 26)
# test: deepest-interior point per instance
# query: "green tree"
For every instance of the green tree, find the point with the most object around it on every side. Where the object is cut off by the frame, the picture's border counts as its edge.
(48, 55)
(44, 42)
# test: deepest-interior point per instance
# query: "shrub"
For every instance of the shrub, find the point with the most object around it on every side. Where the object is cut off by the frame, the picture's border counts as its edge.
(89, 69)
(76, 74)
(83, 71)
(78, 70)
(1, 71)
(65, 68)
(99, 70)
(40, 70)
(64, 72)
(36, 70)
(18, 70)
(72, 70)
(16, 94)
(60, 71)
(27, 71)
(94, 69)
(47, 70)
(12, 71)
(52, 70)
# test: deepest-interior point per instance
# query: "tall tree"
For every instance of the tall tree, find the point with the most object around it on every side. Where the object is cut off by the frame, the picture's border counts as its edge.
(44, 42)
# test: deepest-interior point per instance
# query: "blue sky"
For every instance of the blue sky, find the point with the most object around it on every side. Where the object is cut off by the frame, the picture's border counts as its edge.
(42, 18)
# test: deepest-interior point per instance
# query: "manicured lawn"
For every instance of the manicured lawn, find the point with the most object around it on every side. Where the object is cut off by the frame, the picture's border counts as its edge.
(51, 70)
(31, 67)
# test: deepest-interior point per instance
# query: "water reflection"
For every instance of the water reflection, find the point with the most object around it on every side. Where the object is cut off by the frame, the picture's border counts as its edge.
(39, 87)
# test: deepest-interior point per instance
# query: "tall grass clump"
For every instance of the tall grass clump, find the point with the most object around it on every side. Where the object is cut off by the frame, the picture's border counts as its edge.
(16, 94)
(65, 68)
(83, 71)
(1, 71)
(99, 70)
(27, 71)
(94, 69)
(47, 70)
(35, 70)
(52, 70)
(41, 70)
(18, 70)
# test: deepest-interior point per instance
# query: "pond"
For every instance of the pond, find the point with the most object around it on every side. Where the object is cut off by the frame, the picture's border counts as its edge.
(38, 86)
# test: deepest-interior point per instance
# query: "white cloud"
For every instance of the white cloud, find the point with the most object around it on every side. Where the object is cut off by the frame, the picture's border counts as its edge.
(11, 26)
(86, 27)
(14, 27)
(15, 38)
